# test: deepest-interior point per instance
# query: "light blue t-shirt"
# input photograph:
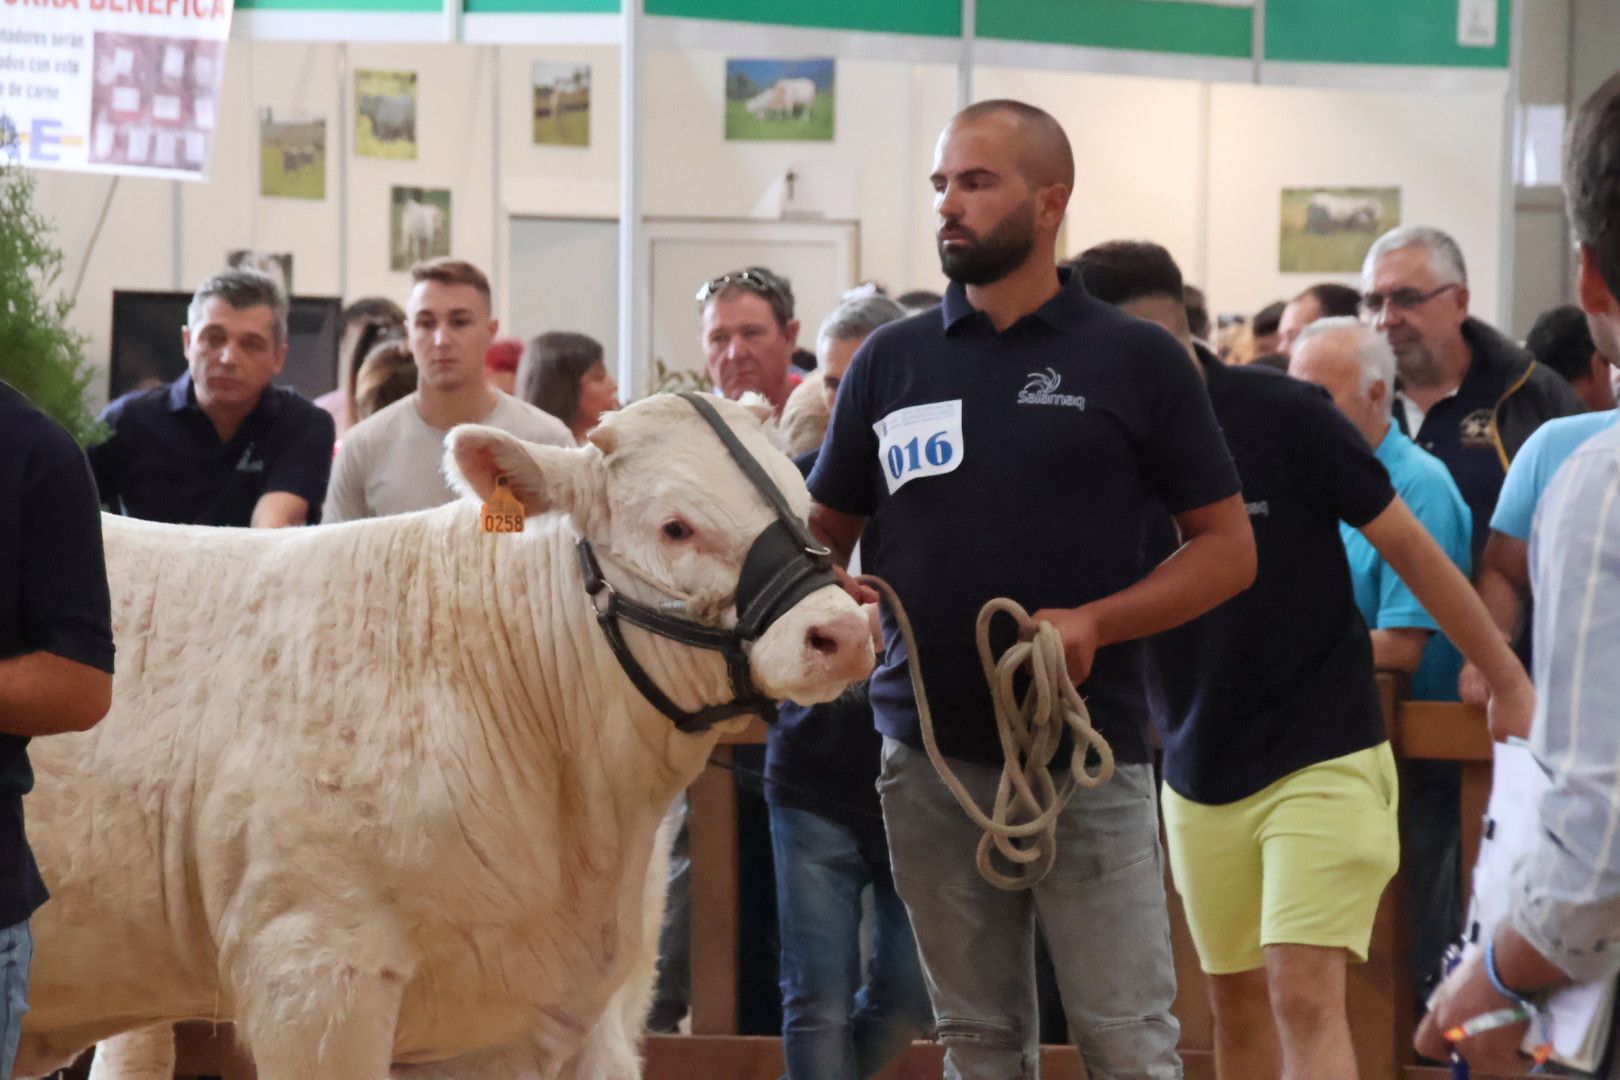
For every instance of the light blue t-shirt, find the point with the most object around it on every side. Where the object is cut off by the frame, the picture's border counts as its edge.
(1548, 447)
(1424, 483)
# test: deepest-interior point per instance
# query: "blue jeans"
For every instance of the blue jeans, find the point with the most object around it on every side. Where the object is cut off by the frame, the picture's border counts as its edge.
(1102, 909)
(16, 950)
(834, 1027)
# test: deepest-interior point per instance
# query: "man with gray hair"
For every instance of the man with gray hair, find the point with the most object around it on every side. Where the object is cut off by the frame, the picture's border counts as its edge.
(1356, 366)
(809, 407)
(220, 445)
(1466, 393)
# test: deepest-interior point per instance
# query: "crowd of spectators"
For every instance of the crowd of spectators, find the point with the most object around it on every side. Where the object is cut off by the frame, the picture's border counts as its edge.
(1234, 523)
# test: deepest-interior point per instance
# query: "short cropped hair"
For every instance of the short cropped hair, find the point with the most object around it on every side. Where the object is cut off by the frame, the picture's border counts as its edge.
(1120, 271)
(919, 300)
(553, 364)
(1562, 340)
(1445, 257)
(373, 308)
(1335, 301)
(1048, 157)
(448, 271)
(1197, 305)
(1373, 352)
(853, 320)
(241, 289)
(1592, 179)
(1267, 319)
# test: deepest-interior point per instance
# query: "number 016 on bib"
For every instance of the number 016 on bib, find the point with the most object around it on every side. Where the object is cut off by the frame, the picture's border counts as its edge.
(923, 440)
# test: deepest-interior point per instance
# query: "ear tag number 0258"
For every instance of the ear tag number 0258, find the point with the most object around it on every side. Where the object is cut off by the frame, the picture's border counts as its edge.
(502, 512)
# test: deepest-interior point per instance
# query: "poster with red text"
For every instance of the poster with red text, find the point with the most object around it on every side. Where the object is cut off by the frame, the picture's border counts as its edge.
(113, 86)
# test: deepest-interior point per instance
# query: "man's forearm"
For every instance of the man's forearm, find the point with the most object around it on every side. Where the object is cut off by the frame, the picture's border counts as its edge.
(45, 694)
(1398, 649)
(1214, 565)
(1501, 600)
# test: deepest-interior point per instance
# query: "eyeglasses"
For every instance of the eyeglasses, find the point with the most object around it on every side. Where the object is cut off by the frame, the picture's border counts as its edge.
(1406, 299)
(748, 279)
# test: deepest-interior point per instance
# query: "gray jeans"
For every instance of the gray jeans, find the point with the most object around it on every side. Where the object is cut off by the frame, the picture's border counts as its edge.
(1102, 909)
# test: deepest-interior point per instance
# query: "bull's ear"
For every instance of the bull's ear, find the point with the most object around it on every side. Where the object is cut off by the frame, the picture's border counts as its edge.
(542, 477)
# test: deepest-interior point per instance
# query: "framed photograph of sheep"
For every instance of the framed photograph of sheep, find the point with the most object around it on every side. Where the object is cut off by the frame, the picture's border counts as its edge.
(780, 99)
(562, 103)
(292, 156)
(418, 225)
(385, 114)
(1328, 230)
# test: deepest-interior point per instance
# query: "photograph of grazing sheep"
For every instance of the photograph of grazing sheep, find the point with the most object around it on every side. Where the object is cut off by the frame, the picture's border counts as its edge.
(780, 99)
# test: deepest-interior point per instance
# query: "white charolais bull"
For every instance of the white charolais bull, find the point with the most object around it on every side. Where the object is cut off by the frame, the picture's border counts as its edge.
(379, 792)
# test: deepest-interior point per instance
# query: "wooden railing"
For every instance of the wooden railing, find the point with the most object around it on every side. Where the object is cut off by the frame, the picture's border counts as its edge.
(1380, 991)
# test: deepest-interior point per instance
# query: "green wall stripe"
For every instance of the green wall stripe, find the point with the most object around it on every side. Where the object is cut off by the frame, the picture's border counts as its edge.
(543, 7)
(1415, 32)
(1148, 25)
(936, 17)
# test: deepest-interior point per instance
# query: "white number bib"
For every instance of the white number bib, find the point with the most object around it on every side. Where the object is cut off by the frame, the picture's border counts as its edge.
(923, 440)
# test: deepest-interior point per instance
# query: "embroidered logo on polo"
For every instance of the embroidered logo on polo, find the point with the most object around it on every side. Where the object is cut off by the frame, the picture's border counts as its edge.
(248, 463)
(1261, 508)
(1042, 390)
(1475, 429)
(923, 440)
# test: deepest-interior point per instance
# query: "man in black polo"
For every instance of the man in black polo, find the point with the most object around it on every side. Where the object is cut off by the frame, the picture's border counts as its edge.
(1023, 432)
(220, 445)
(1280, 789)
(56, 651)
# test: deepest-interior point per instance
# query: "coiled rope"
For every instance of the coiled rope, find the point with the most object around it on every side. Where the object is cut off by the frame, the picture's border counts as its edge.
(1022, 825)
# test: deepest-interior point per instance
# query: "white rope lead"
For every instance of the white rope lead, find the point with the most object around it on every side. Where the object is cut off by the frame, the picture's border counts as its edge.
(1023, 824)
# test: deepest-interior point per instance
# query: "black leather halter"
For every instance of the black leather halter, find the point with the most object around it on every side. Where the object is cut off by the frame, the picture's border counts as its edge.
(784, 564)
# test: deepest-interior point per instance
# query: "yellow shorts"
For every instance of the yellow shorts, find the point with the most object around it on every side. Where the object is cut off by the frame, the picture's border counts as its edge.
(1302, 862)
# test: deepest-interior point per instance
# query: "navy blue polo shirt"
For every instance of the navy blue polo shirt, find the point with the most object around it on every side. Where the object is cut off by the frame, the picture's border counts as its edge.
(826, 758)
(1023, 464)
(1280, 676)
(165, 462)
(53, 598)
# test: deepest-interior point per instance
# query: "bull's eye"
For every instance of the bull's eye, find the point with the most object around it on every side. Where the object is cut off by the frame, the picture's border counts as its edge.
(677, 530)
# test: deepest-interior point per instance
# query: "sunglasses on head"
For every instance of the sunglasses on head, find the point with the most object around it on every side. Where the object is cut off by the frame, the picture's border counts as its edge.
(748, 279)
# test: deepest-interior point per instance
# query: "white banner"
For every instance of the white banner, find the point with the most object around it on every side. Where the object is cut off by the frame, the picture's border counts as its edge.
(113, 86)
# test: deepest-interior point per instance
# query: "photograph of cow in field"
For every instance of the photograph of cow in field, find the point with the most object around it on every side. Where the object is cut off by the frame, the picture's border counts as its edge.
(1328, 230)
(383, 795)
(780, 99)
(418, 225)
(385, 114)
(292, 156)
(562, 103)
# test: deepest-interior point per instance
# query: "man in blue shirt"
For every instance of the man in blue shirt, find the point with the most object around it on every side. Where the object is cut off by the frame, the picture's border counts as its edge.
(1356, 366)
(56, 651)
(220, 445)
(1280, 798)
(1027, 431)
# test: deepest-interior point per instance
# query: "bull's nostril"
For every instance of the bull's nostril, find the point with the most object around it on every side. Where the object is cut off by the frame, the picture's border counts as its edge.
(821, 643)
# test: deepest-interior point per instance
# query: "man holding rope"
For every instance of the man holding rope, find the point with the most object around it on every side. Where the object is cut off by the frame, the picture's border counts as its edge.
(1010, 444)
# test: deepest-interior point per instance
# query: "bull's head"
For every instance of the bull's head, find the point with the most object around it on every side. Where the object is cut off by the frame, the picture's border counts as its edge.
(658, 494)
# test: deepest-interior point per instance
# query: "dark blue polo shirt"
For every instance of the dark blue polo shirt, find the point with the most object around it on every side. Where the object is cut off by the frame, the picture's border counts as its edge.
(53, 598)
(826, 758)
(1022, 464)
(1280, 676)
(165, 461)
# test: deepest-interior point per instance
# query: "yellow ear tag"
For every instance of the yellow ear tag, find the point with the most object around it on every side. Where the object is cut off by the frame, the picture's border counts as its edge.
(502, 512)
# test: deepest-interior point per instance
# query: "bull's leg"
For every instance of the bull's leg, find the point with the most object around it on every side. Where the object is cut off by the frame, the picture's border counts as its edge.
(144, 1054)
(318, 1001)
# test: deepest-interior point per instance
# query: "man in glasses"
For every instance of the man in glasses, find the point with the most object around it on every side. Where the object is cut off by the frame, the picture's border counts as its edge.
(749, 333)
(1466, 393)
